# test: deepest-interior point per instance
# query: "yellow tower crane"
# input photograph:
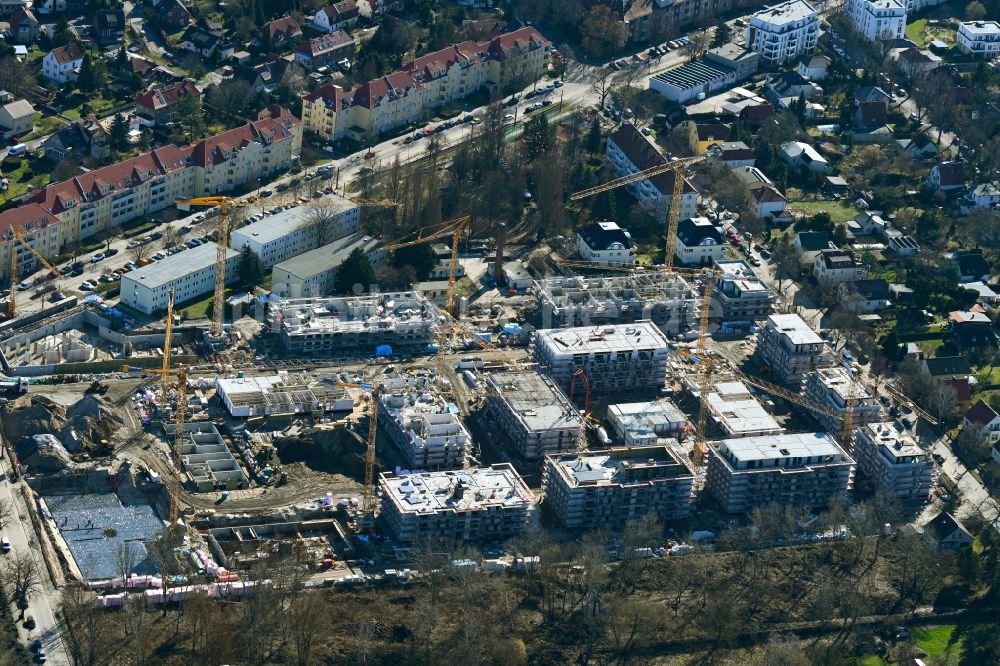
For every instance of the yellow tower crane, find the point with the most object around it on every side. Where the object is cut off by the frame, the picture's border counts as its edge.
(453, 228)
(15, 240)
(676, 199)
(168, 335)
(368, 492)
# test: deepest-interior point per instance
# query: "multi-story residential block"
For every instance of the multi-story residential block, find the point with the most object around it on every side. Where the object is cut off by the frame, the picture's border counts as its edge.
(160, 105)
(426, 83)
(699, 242)
(605, 243)
(38, 228)
(62, 64)
(629, 151)
(878, 20)
(893, 462)
(607, 489)
(979, 38)
(645, 423)
(422, 425)
(534, 413)
(782, 33)
(313, 273)
(804, 470)
(104, 198)
(736, 411)
(623, 357)
(834, 267)
(189, 274)
(740, 294)
(294, 231)
(831, 388)
(487, 503)
(788, 348)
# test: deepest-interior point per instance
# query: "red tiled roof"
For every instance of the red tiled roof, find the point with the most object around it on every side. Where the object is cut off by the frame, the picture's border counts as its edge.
(341, 11)
(20, 218)
(872, 113)
(161, 98)
(951, 173)
(981, 414)
(962, 388)
(758, 113)
(328, 42)
(713, 132)
(67, 54)
(641, 152)
(213, 150)
(283, 29)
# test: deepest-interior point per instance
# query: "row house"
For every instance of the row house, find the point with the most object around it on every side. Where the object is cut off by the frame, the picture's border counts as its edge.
(424, 84)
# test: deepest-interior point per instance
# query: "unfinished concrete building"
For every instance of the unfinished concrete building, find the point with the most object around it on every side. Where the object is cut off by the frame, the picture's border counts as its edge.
(606, 489)
(666, 300)
(892, 462)
(490, 503)
(831, 388)
(736, 411)
(644, 423)
(740, 294)
(280, 394)
(206, 459)
(533, 412)
(427, 430)
(323, 327)
(789, 348)
(804, 470)
(623, 357)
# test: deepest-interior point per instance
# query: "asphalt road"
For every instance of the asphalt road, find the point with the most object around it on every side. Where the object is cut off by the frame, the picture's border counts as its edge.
(43, 602)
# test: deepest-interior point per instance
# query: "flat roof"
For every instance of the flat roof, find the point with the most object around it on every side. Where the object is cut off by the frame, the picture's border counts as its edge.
(596, 339)
(236, 385)
(738, 411)
(795, 329)
(325, 258)
(459, 490)
(838, 380)
(786, 12)
(175, 267)
(890, 436)
(624, 466)
(980, 27)
(740, 272)
(785, 445)
(692, 74)
(646, 416)
(536, 400)
(282, 223)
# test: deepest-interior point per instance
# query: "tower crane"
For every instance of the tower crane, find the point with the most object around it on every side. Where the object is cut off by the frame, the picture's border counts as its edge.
(454, 229)
(168, 335)
(368, 492)
(676, 199)
(15, 240)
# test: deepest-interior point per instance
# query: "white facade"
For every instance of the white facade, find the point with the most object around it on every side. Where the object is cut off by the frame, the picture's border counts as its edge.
(190, 274)
(699, 242)
(831, 388)
(788, 348)
(420, 422)
(893, 462)
(292, 232)
(643, 423)
(313, 273)
(783, 32)
(605, 243)
(61, 70)
(629, 151)
(877, 20)
(979, 38)
(835, 267)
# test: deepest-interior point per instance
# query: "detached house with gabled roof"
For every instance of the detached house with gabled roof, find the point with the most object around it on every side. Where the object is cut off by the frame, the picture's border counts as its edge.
(337, 16)
(62, 64)
(173, 13)
(108, 25)
(325, 50)
(283, 31)
(981, 415)
(24, 26)
(946, 176)
(159, 105)
(424, 84)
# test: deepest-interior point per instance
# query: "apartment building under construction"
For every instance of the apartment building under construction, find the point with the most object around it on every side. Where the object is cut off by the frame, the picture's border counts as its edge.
(831, 388)
(423, 425)
(533, 412)
(666, 300)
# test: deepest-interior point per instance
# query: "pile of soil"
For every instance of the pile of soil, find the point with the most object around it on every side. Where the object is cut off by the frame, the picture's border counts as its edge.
(79, 428)
(333, 452)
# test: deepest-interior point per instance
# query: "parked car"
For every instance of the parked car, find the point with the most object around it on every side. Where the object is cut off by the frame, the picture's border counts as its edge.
(131, 265)
(266, 193)
(97, 257)
(29, 622)
(5, 544)
(159, 256)
(88, 286)
(27, 284)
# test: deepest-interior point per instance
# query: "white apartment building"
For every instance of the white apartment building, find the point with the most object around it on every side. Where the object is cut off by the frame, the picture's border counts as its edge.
(607, 489)
(740, 294)
(699, 242)
(804, 470)
(605, 243)
(313, 273)
(422, 425)
(190, 274)
(831, 388)
(487, 503)
(294, 231)
(789, 348)
(979, 38)
(893, 462)
(736, 411)
(534, 413)
(630, 151)
(782, 33)
(878, 20)
(644, 423)
(623, 357)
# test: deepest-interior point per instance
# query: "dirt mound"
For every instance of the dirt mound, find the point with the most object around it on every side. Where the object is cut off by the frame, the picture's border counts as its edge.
(41, 417)
(333, 452)
(81, 427)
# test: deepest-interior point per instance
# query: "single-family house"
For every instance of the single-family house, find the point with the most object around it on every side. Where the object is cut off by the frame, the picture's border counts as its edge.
(808, 244)
(948, 532)
(699, 242)
(982, 416)
(206, 43)
(707, 134)
(767, 203)
(754, 115)
(337, 16)
(946, 177)
(24, 26)
(917, 62)
(983, 195)
(869, 116)
(943, 368)
(173, 14)
(160, 105)
(972, 329)
(78, 141)
(325, 49)
(108, 25)
(987, 296)
(972, 266)
(919, 146)
(733, 154)
(864, 296)
(17, 118)
(789, 87)
(283, 31)
(832, 267)
(48, 6)
(813, 68)
(605, 243)
(62, 64)
(801, 155)
(872, 94)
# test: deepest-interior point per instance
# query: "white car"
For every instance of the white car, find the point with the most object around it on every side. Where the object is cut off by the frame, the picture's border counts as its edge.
(508, 117)
(26, 284)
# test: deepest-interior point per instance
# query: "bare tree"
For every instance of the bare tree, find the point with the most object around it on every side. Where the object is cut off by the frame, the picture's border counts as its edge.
(139, 252)
(303, 612)
(697, 44)
(21, 573)
(171, 237)
(6, 512)
(604, 82)
(87, 634)
(231, 96)
(323, 220)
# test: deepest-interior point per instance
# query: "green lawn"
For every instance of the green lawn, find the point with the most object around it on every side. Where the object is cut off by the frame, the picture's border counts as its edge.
(935, 641)
(23, 179)
(839, 211)
(915, 31)
(989, 375)
(44, 125)
(873, 660)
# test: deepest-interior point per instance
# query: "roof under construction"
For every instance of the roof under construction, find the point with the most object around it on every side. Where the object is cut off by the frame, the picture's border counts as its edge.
(461, 490)
(536, 399)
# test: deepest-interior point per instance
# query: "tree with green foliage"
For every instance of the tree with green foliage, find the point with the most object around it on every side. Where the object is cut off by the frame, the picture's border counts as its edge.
(249, 270)
(356, 270)
(594, 136)
(190, 119)
(62, 35)
(420, 257)
(840, 234)
(136, 84)
(723, 33)
(604, 206)
(118, 133)
(893, 349)
(91, 77)
(538, 136)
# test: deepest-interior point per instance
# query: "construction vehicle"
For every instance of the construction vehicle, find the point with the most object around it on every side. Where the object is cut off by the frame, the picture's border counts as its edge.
(98, 387)
(17, 239)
